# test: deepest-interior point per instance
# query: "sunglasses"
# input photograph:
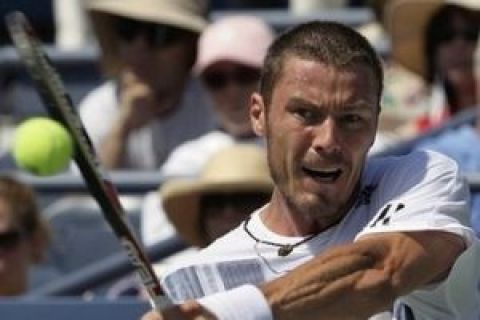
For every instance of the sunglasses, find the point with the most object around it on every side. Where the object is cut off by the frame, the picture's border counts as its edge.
(469, 34)
(156, 35)
(241, 75)
(10, 239)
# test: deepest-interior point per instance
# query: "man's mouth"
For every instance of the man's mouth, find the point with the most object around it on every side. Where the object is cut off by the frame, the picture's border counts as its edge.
(325, 175)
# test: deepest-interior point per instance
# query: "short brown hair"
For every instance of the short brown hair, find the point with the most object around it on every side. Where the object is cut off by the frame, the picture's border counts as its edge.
(331, 43)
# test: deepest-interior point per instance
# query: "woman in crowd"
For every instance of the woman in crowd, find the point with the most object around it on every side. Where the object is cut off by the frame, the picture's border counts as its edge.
(24, 236)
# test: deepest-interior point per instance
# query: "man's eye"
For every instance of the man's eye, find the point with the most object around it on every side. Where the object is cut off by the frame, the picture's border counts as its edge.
(304, 114)
(352, 120)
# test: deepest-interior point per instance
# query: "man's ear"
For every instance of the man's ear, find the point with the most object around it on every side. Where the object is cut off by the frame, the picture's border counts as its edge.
(257, 114)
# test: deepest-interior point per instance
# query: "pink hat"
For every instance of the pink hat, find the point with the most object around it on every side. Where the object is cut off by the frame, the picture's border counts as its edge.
(242, 39)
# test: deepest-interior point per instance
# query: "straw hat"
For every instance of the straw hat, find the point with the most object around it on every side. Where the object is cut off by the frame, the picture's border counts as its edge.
(185, 14)
(237, 168)
(242, 39)
(406, 21)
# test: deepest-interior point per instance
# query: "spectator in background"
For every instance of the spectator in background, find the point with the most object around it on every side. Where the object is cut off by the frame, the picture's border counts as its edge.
(436, 39)
(232, 184)
(404, 92)
(463, 145)
(152, 104)
(24, 236)
(230, 56)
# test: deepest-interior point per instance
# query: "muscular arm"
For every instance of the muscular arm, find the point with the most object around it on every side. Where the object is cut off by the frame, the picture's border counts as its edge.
(363, 278)
(356, 280)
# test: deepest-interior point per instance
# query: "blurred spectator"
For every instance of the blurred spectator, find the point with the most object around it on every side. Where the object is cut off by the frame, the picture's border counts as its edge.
(374, 30)
(436, 39)
(229, 67)
(230, 56)
(152, 104)
(404, 92)
(235, 181)
(463, 144)
(24, 236)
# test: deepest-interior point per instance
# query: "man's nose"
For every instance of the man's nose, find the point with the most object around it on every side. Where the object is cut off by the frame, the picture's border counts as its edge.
(326, 136)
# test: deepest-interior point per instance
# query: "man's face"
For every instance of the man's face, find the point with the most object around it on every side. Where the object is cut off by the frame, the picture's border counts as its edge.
(319, 126)
(158, 56)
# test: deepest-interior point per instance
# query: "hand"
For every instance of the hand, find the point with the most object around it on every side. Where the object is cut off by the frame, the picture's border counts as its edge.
(189, 310)
(137, 102)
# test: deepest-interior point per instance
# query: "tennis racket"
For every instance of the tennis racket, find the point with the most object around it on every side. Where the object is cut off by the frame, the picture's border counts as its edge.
(60, 107)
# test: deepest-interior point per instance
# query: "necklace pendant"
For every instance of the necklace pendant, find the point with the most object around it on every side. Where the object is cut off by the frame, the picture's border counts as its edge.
(285, 250)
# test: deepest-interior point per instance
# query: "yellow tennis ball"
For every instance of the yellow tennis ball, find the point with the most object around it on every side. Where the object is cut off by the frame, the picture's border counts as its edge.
(42, 146)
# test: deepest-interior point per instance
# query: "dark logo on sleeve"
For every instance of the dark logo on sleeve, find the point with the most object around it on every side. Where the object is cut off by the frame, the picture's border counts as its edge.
(385, 215)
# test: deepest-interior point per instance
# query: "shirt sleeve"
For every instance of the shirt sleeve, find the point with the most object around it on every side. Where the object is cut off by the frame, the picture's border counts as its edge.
(423, 191)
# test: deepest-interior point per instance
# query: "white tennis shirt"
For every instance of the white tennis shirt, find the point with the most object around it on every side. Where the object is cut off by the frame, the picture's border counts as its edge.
(420, 191)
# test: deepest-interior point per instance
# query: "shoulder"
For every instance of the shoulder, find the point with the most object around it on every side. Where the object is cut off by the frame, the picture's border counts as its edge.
(420, 191)
(419, 165)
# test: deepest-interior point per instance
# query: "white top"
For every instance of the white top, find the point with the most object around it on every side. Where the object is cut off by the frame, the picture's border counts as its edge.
(420, 191)
(148, 147)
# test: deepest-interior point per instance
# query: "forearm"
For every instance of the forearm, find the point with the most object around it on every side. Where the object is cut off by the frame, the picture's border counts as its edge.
(113, 147)
(363, 278)
(344, 285)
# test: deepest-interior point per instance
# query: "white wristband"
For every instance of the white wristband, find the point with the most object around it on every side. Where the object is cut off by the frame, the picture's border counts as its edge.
(242, 303)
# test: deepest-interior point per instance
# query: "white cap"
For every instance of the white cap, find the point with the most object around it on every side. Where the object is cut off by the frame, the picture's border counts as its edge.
(242, 39)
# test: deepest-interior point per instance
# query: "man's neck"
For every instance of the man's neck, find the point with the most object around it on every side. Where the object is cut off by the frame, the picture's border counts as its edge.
(285, 219)
(281, 218)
